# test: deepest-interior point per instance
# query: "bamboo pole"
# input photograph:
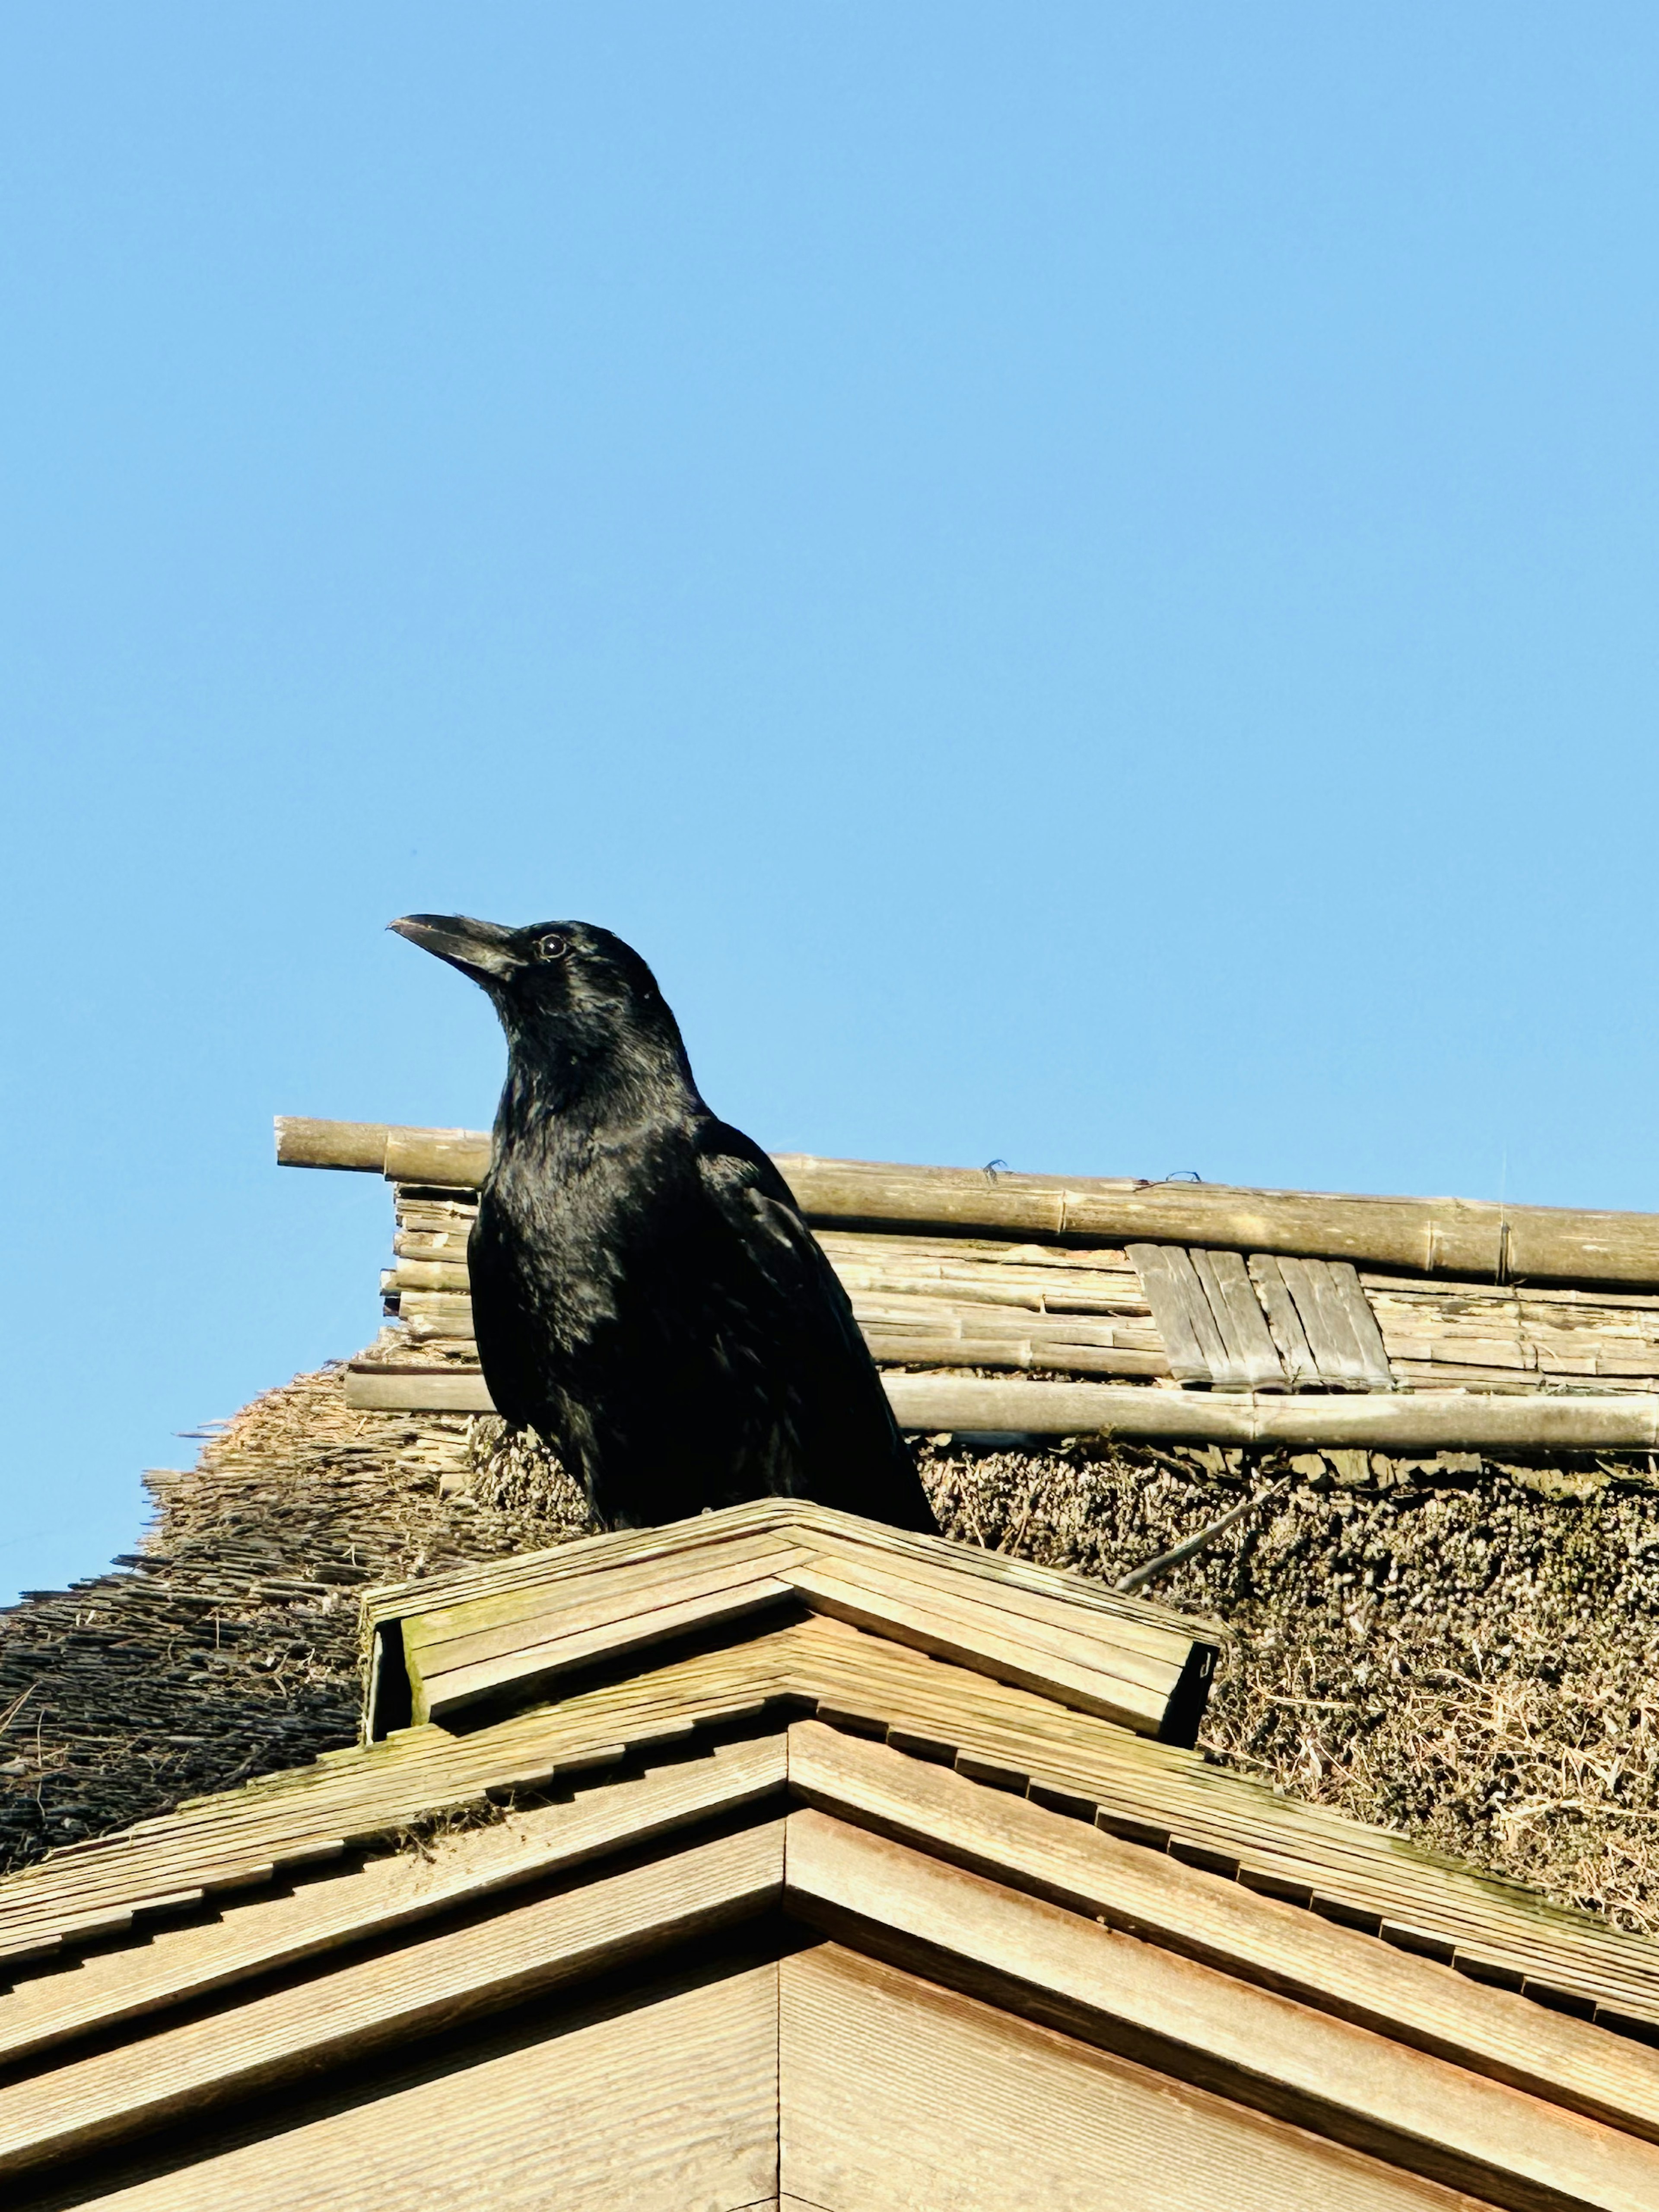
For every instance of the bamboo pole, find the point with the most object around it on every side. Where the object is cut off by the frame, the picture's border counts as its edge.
(1404, 1422)
(452, 1158)
(1431, 1235)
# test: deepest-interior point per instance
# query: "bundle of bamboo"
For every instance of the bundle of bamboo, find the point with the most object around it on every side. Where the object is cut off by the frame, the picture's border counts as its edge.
(1236, 1322)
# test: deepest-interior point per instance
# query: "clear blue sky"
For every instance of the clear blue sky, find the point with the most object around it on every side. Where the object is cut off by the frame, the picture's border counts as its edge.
(1080, 578)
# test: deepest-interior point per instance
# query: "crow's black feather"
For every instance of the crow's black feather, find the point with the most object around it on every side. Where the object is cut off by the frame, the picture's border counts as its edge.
(644, 1291)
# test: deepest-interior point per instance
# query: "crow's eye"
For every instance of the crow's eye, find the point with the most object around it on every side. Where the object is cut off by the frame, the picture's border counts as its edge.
(552, 946)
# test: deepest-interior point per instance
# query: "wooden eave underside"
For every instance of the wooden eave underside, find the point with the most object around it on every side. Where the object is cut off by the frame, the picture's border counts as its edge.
(1156, 1798)
(1392, 2056)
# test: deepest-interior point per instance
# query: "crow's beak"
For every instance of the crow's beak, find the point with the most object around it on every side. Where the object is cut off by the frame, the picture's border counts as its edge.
(481, 950)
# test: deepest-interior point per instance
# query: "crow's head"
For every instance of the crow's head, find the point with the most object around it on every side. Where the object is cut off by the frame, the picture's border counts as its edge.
(554, 983)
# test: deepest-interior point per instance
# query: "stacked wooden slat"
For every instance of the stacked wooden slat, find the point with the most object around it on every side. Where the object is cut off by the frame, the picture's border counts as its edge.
(1147, 1793)
(1460, 1336)
(528, 1630)
(427, 1286)
(921, 1301)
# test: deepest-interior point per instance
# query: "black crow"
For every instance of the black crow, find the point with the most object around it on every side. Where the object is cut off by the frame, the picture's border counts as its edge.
(646, 1294)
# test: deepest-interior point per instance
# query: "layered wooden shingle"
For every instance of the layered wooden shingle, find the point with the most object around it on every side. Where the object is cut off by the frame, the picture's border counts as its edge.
(845, 1805)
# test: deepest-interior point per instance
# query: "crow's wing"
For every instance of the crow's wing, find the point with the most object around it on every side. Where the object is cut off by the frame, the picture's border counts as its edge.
(852, 1455)
(502, 1328)
(759, 1212)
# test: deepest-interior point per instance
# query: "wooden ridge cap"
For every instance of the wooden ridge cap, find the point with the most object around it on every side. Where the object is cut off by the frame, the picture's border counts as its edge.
(803, 1519)
(473, 1646)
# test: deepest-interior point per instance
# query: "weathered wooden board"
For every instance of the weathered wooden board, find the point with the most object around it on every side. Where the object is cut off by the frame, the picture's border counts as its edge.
(1089, 1689)
(1033, 2121)
(1240, 1317)
(520, 1639)
(1151, 1793)
(1328, 1332)
(1283, 1322)
(1353, 1976)
(435, 1981)
(665, 2103)
(392, 1894)
(1362, 1323)
(1185, 2020)
(1192, 1353)
(530, 1669)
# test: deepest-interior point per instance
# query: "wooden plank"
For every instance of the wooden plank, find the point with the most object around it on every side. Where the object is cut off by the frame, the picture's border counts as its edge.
(1328, 1334)
(1225, 1373)
(1239, 1317)
(437, 1980)
(1276, 1946)
(1294, 1848)
(1088, 1689)
(667, 2101)
(1188, 1353)
(1087, 1641)
(491, 1623)
(760, 1518)
(378, 1389)
(1146, 1787)
(371, 1792)
(799, 1520)
(1169, 1639)
(1186, 2019)
(449, 1275)
(449, 1243)
(1032, 2118)
(390, 1895)
(1362, 1324)
(1283, 1322)
(456, 1690)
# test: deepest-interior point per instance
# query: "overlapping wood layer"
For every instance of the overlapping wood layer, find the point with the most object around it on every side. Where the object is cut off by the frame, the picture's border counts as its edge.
(477, 1638)
(892, 1754)
(1215, 1319)
(1020, 1955)
(1155, 1795)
